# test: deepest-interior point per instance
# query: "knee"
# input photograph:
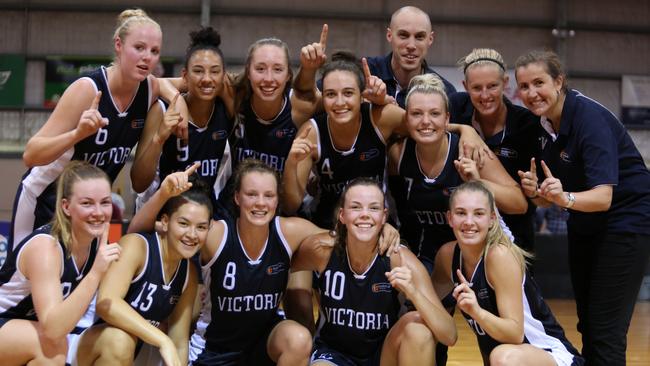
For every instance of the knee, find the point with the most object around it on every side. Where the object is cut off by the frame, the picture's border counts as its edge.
(118, 347)
(505, 355)
(417, 334)
(299, 341)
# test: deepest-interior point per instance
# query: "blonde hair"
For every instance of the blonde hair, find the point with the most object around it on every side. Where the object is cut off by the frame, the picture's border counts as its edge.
(495, 235)
(128, 18)
(427, 84)
(74, 172)
(482, 56)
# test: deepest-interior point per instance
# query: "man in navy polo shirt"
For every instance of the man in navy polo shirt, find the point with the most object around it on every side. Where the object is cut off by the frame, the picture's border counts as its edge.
(410, 37)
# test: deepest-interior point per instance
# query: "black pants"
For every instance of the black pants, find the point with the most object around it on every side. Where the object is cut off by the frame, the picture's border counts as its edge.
(606, 273)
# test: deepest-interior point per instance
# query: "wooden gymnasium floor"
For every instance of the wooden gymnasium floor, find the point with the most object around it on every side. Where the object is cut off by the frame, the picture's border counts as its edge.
(465, 352)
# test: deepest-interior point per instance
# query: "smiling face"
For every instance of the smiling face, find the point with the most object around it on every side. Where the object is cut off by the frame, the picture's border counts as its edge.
(204, 74)
(470, 216)
(187, 228)
(410, 37)
(426, 117)
(341, 96)
(257, 197)
(138, 52)
(485, 84)
(363, 213)
(89, 207)
(268, 72)
(538, 90)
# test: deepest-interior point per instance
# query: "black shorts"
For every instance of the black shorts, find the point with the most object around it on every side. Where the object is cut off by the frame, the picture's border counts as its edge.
(325, 353)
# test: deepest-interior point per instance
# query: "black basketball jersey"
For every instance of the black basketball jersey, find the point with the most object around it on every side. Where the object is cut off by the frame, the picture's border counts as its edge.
(244, 293)
(424, 202)
(357, 311)
(205, 145)
(268, 141)
(335, 168)
(108, 149)
(149, 295)
(15, 288)
(540, 327)
(515, 145)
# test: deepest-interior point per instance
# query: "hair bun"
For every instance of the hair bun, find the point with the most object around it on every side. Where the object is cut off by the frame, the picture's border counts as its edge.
(205, 36)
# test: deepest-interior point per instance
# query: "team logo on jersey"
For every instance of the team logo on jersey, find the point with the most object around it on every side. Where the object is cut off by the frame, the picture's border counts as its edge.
(174, 300)
(506, 152)
(325, 356)
(275, 268)
(369, 155)
(565, 156)
(219, 135)
(447, 191)
(137, 123)
(381, 287)
(482, 293)
(285, 132)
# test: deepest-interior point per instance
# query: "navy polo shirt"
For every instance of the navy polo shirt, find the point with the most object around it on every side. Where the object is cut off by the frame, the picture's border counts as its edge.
(380, 67)
(515, 145)
(593, 148)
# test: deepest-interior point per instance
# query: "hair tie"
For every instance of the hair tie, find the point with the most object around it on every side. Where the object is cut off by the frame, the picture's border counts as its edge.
(485, 59)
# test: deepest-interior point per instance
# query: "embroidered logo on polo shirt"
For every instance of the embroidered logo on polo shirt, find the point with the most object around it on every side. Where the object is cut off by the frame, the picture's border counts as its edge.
(565, 157)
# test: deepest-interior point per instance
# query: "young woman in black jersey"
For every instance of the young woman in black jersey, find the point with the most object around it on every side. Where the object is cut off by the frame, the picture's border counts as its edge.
(50, 278)
(486, 273)
(154, 282)
(245, 264)
(426, 166)
(349, 139)
(208, 128)
(508, 129)
(99, 119)
(359, 287)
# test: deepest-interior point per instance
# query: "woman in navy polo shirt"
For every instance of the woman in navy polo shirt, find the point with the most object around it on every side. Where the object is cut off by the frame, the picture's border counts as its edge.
(506, 128)
(592, 168)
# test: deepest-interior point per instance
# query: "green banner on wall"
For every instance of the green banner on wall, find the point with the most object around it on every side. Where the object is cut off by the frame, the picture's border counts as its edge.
(12, 80)
(61, 71)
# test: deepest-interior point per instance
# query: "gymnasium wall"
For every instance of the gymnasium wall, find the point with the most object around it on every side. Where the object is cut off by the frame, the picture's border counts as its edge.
(611, 39)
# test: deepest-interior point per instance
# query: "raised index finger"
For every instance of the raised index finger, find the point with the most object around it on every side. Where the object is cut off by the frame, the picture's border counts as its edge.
(304, 133)
(533, 167)
(103, 240)
(366, 69)
(323, 36)
(95, 103)
(172, 105)
(189, 171)
(547, 171)
(461, 277)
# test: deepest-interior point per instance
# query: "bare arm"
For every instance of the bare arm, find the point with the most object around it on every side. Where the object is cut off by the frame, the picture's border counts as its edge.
(74, 118)
(41, 263)
(181, 318)
(173, 185)
(111, 305)
(505, 275)
(410, 277)
(306, 97)
(297, 167)
(298, 299)
(148, 151)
